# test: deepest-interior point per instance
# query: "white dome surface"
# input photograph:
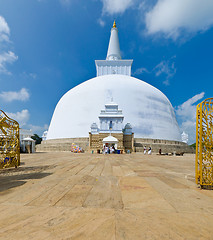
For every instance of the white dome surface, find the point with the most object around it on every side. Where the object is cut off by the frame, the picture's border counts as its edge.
(147, 109)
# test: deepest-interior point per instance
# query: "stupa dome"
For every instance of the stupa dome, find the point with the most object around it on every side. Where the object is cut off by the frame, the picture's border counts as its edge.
(147, 109)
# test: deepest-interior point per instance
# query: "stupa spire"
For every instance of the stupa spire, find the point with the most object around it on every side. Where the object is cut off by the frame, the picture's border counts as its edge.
(114, 47)
(114, 24)
(113, 63)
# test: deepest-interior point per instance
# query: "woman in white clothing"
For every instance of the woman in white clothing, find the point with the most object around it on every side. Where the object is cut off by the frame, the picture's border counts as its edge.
(144, 150)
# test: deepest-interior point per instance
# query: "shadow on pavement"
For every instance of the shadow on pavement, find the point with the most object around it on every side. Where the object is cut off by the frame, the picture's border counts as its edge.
(10, 178)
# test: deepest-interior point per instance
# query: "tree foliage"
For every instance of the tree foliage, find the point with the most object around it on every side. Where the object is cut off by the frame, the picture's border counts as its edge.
(193, 145)
(37, 139)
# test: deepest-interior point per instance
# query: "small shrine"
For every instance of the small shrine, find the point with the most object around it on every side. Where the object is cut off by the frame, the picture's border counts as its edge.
(111, 131)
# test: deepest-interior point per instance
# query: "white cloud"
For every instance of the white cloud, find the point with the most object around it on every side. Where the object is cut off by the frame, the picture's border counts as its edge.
(5, 58)
(170, 17)
(66, 2)
(37, 129)
(28, 75)
(101, 22)
(187, 113)
(187, 109)
(22, 95)
(33, 75)
(166, 68)
(4, 30)
(140, 71)
(116, 6)
(21, 117)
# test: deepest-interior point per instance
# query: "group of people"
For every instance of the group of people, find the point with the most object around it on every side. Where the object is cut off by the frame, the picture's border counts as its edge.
(108, 150)
(149, 150)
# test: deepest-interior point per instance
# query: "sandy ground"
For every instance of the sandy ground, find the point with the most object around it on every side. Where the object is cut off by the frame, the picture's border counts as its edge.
(85, 196)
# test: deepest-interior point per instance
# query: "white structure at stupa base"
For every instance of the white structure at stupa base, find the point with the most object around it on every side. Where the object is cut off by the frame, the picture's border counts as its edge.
(147, 109)
(111, 119)
(111, 131)
(110, 140)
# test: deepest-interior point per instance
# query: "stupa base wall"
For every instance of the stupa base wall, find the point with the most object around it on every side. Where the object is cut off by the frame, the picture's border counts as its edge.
(166, 146)
(62, 144)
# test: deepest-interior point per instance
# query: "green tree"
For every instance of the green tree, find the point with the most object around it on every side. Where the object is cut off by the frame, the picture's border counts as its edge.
(193, 145)
(37, 139)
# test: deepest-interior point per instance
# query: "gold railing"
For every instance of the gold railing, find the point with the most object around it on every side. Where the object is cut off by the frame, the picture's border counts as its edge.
(9, 142)
(204, 144)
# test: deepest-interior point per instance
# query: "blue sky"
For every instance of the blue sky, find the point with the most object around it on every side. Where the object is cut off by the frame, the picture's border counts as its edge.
(49, 46)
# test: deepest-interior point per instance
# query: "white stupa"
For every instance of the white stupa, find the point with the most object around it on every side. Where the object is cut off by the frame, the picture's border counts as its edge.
(147, 109)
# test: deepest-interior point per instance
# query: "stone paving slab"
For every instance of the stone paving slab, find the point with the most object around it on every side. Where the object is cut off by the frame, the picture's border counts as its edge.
(89, 196)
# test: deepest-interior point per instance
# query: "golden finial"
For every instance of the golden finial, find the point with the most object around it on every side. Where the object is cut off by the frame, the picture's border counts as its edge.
(114, 24)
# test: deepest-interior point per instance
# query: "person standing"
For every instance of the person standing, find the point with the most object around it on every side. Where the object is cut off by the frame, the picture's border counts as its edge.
(150, 151)
(113, 149)
(144, 150)
(106, 149)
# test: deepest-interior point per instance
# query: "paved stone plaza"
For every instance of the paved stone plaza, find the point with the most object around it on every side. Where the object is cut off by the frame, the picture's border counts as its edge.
(84, 196)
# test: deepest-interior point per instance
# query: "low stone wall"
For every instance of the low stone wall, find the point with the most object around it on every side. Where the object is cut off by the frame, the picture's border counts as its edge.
(61, 145)
(166, 146)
